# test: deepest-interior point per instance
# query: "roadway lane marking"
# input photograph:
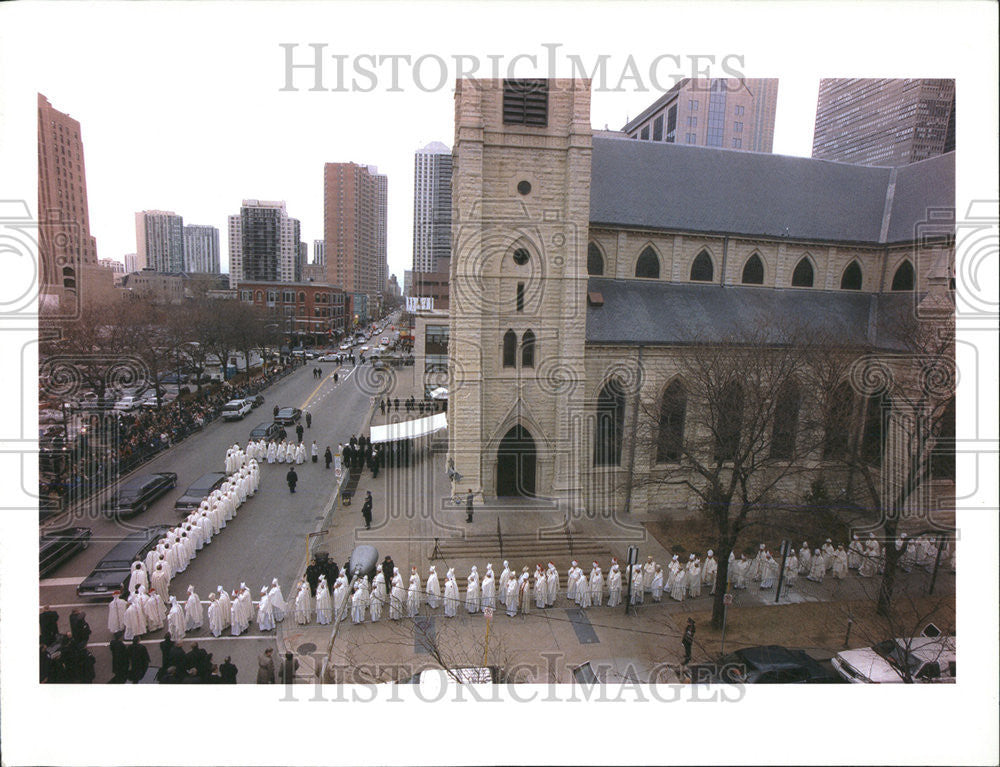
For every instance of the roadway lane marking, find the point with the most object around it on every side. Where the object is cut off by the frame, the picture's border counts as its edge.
(60, 582)
(318, 387)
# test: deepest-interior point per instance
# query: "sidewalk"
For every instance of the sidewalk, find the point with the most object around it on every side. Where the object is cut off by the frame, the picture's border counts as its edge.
(417, 524)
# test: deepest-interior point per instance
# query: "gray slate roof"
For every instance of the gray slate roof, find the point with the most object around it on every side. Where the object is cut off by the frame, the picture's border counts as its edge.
(666, 313)
(671, 186)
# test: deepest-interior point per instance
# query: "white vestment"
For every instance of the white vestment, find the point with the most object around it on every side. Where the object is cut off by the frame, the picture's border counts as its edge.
(324, 604)
(450, 598)
(614, 587)
(433, 590)
(116, 614)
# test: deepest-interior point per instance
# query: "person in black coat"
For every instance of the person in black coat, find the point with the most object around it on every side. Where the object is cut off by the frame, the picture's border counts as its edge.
(138, 661)
(119, 660)
(387, 568)
(292, 479)
(197, 660)
(328, 456)
(228, 671)
(366, 511)
(44, 663)
(312, 576)
(331, 571)
(48, 624)
(78, 626)
(166, 647)
(299, 431)
(177, 658)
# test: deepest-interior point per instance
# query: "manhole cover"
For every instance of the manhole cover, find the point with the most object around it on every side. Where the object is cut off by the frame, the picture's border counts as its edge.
(306, 648)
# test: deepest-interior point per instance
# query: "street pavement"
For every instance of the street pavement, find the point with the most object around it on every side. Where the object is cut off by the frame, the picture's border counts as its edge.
(265, 540)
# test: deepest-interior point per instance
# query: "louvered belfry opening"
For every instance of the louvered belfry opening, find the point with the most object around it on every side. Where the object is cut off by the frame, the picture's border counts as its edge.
(526, 102)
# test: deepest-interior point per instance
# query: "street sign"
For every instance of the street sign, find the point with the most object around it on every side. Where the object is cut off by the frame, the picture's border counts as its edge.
(488, 612)
(727, 599)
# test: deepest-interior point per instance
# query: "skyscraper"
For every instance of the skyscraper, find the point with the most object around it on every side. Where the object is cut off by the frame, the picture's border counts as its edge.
(319, 253)
(201, 249)
(727, 113)
(132, 263)
(354, 228)
(159, 240)
(263, 243)
(67, 251)
(887, 122)
(431, 206)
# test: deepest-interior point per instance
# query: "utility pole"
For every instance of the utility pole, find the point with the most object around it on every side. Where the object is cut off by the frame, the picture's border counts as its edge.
(785, 546)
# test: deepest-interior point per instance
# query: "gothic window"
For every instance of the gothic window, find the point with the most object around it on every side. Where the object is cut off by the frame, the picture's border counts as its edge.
(673, 408)
(851, 280)
(701, 268)
(943, 456)
(595, 261)
(838, 420)
(786, 421)
(510, 349)
(876, 431)
(528, 349)
(610, 424)
(519, 301)
(729, 422)
(753, 271)
(648, 264)
(903, 278)
(802, 277)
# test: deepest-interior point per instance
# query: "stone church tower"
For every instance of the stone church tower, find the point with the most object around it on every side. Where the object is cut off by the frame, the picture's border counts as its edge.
(521, 208)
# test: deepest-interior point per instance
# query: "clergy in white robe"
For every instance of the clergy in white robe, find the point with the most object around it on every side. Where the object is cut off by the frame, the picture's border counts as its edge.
(135, 618)
(324, 602)
(397, 596)
(433, 589)
(524, 591)
(694, 580)
(582, 591)
(357, 601)
(679, 587)
(791, 568)
(818, 567)
(551, 585)
(176, 621)
(265, 612)
(672, 569)
(489, 590)
(541, 588)
(413, 595)
(138, 577)
(116, 613)
(648, 570)
(769, 572)
(510, 597)
(855, 553)
(303, 604)
(193, 611)
(159, 605)
(215, 622)
(614, 586)
(377, 597)
(840, 563)
(450, 595)
(656, 583)
(277, 600)
(300, 453)
(247, 603)
(472, 592)
(340, 599)
(740, 570)
(637, 594)
(805, 559)
(757, 566)
(225, 606)
(827, 550)
(596, 582)
(505, 576)
(709, 572)
(571, 581)
(272, 452)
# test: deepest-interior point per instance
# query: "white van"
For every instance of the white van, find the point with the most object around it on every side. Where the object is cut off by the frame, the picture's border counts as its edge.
(235, 409)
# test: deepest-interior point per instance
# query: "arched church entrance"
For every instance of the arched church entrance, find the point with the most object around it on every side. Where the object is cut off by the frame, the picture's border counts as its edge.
(516, 459)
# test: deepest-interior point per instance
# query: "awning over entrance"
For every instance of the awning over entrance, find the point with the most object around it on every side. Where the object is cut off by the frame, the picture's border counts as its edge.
(419, 427)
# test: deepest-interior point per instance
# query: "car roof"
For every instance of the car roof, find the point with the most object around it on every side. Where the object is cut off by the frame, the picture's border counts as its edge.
(771, 656)
(237, 402)
(138, 481)
(207, 481)
(126, 549)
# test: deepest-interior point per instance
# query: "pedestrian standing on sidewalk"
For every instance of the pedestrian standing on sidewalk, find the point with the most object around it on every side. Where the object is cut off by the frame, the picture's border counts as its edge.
(292, 479)
(688, 640)
(328, 457)
(366, 510)
(388, 567)
(468, 505)
(265, 668)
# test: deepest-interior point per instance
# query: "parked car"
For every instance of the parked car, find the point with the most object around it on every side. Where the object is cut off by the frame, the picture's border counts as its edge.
(136, 494)
(385, 340)
(173, 378)
(199, 491)
(345, 347)
(256, 400)
(236, 409)
(56, 547)
(112, 573)
(328, 358)
(769, 664)
(926, 659)
(128, 402)
(288, 415)
(268, 432)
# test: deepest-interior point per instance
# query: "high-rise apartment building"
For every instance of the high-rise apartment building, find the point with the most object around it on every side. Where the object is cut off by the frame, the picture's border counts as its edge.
(67, 252)
(885, 121)
(727, 113)
(201, 248)
(431, 206)
(132, 263)
(354, 229)
(319, 253)
(263, 244)
(159, 240)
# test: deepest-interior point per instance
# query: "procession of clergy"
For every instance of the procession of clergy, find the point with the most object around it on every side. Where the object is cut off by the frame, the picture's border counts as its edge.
(149, 605)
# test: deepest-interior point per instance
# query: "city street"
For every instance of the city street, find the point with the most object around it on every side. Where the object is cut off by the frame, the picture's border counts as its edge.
(265, 540)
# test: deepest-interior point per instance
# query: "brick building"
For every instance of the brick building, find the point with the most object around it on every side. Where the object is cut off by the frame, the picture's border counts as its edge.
(314, 312)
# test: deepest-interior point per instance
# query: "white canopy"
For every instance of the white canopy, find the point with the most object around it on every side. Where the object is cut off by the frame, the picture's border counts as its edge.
(439, 393)
(419, 427)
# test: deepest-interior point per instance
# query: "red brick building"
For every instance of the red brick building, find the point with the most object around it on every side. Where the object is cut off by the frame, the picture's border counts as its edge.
(312, 311)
